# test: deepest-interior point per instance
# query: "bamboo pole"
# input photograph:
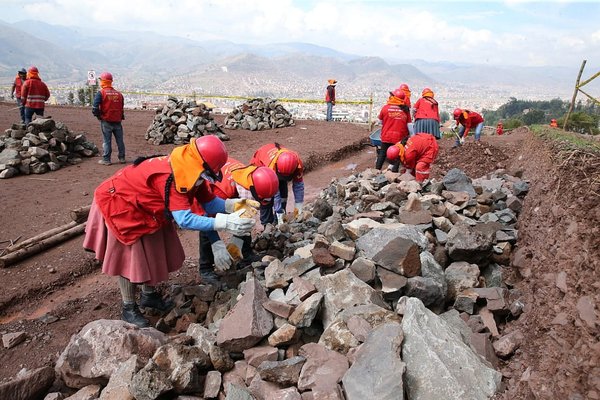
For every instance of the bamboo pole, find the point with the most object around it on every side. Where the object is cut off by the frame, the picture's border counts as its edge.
(574, 95)
(41, 236)
(41, 245)
(590, 97)
(589, 80)
(371, 113)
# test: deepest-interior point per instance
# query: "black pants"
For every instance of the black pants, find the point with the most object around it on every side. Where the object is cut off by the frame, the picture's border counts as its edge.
(267, 213)
(207, 260)
(382, 155)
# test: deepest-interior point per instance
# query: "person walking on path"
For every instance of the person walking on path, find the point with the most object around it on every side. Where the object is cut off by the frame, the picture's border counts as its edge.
(257, 185)
(288, 167)
(417, 155)
(108, 108)
(131, 224)
(330, 99)
(34, 94)
(466, 120)
(427, 115)
(394, 117)
(15, 91)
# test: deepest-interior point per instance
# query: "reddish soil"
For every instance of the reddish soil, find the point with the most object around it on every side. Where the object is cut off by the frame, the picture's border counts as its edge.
(559, 232)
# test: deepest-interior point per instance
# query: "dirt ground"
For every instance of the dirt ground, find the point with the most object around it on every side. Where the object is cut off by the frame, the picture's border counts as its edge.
(558, 232)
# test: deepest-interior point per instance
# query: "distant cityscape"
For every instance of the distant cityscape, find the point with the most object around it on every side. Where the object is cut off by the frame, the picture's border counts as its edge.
(294, 96)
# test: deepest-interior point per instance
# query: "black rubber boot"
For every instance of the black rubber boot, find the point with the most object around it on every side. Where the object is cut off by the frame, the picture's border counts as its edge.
(132, 314)
(154, 300)
(208, 277)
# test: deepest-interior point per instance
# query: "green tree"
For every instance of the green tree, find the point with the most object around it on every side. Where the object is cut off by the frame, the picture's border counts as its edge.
(533, 117)
(81, 96)
(444, 116)
(512, 123)
(582, 122)
(71, 98)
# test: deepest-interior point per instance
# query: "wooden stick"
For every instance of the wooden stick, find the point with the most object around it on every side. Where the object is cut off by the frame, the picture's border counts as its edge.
(80, 214)
(574, 95)
(41, 245)
(40, 237)
(44, 179)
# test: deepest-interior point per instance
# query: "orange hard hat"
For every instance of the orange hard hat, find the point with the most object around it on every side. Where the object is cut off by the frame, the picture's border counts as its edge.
(427, 92)
(214, 155)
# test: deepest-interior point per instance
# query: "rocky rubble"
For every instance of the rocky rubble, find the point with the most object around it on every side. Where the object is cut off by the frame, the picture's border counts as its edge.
(42, 146)
(178, 122)
(383, 289)
(259, 114)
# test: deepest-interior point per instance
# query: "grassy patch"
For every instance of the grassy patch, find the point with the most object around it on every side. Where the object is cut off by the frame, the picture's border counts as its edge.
(567, 141)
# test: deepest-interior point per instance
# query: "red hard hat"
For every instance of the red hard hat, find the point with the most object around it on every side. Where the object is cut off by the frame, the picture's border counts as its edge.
(399, 94)
(106, 76)
(265, 183)
(393, 152)
(404, 86)
(214, 155)
(457, 112)
(286, 164)
(33, 69)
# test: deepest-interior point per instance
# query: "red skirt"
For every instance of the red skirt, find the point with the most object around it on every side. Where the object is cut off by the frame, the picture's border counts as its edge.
(149, 260)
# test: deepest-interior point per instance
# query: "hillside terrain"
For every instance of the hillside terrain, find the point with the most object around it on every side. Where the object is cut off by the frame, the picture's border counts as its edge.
(555, 268)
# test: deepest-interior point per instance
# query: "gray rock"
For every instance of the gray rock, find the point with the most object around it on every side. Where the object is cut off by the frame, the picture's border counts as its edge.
(471, 243)
(364, 269)
(120, 380)
(400, 255)
(90, 392)
(439, 365)
(285, 372)
(457, 181)
(323, 367)
(212, 385)
(304, 314)
(377, 371)
(10, 340)
(375, 240)
(150, 382)
(322, 209)
(520, 188)
(461, 276)
(248, 322)
(235, 392)
(30, 385)
(9, 172)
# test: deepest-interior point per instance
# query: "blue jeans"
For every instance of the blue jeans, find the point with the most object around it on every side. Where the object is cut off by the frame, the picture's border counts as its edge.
(28, 113)
(478, 129)
(21, 109)
(108, 130)
(329, 111)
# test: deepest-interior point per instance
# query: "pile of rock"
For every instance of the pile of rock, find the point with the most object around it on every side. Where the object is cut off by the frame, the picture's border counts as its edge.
(380, 281)
(258, 115)
(178, 122)
(42, 146)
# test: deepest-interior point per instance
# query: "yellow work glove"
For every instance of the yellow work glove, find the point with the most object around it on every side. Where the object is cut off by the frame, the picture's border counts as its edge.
(250, 207)
(298, 216)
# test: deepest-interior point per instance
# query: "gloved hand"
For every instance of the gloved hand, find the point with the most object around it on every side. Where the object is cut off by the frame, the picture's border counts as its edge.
(249, 206)
(235, 248)
(12, 95)
(221, 256)
(280, 218)
(234, 223)
(298, 211)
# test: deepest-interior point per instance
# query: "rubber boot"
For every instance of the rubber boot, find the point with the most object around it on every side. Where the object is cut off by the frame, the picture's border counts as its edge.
(132, 314)
(208, 277)
(154, 300)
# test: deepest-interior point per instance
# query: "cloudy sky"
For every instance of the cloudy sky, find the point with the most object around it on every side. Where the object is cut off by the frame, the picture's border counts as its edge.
(513, 32)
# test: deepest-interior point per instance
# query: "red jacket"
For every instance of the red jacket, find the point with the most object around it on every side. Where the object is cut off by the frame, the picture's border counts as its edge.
(35, 93)
(420, 147)
(267, 155)
(18, 84)
(427, 108)
(330, 94)
(111, 107)
(226, 189)
(395, 122)
(471, 121)
(132, 201)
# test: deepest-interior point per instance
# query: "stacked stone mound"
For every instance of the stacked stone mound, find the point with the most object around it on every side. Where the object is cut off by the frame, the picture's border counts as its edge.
(258, 115)
(178, 122)
(42, 146)
(382, 288)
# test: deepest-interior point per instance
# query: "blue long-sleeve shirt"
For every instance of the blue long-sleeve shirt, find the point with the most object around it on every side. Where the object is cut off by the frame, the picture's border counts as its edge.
(186, 219)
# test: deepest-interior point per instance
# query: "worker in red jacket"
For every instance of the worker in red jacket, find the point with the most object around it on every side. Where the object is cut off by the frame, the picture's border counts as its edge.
(553, 123)
(34, 94)
(257, 185)
(288, 167)
(394, 117)
(417, 155)
(131, 224)
(466, 120)
(407, 93)
(500, 129)
(108, 108)
(330, 98)
(15, 91)
(427, 115)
